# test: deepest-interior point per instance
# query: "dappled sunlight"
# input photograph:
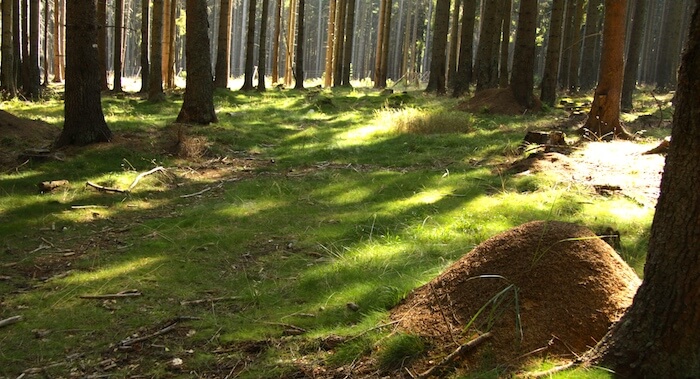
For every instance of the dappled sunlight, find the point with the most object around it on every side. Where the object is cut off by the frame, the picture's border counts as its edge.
(114, 271)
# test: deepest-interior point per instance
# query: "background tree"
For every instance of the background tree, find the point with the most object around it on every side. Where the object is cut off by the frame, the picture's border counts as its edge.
(58, 37)
(262, 56)
(486, 63)
(506, 6)
(349, 34)
(548, 88)
(591, 47)
(299, 77)
(8, 82)
(330, 44)
(438, 61)
(33, 83)
(522, 79)
(198, 102)
(382, 52)
(102, 42)
(604, 118)
(633, 54)
(670, 37)
(223, 49)
(250, 48)
(339, 42)
(466, 49)
(575, 53)
(276, 42)
(145, 26)
(454, 44)
(84, 121)
(659, 335)
(117, 53)
(155, 83)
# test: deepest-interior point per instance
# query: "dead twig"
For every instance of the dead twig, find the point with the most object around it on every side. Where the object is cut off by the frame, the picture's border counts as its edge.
(10, 321)
(141, 175)
(196, 193)
(457, 353)
(133, 184)
(212, 300)
(127, 293)
(105, 189)
(373, 329)
(170, 326)
(551, 371)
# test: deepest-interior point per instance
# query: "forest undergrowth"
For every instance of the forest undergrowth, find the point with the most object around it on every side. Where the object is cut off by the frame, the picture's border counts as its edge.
(274, 242)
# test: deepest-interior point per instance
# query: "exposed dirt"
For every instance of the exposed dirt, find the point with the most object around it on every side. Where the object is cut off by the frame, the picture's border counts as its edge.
(497, 101)
(18, 134)
(557, 288)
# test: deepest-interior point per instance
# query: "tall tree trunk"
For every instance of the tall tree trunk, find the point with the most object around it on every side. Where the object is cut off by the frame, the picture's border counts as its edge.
(604, 118)
(349, 34)
(145, 26)
(45, 45)
(58, 33)
(505, 42)
(262, 56)
(223, 49)
(102, 42)
(548, 88)
(466, 49)
(659, 335)
(523, 77)
(386, 38)
(338, 49)
(155, 84)
(118, 25)
(454, 45)
(379, 76)
(591, 43)
(33, 83)
(486, 57)
(276, 42)
(668, 54)
(9, 85)
(198, 102)
(575, 58)
(570, 31)
(299, 77)
(84, 121)
(289, 61)
(633, 54)
(330, 43)
(250, 48)
(438, 64)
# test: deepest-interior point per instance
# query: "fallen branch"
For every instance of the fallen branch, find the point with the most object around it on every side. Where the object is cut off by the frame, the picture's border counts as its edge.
(212, 300)
(105, 189)
(196, 193)
(127, 293)
(10, 321)
(141, 175)
(550, 372)
(88, 206)
(457, 353)
(170, 326)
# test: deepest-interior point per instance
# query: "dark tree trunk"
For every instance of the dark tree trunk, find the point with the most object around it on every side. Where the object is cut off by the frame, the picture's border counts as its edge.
(569, 35)
(250, 48)
(145, 26)
(466, 49)
(591, 44)
(604, 118)
(33, 88)
(118, 24)
(523, 77)
(198, 102)
(575, 58)
(438, 64)
(659, 336)
(486, 57)
(276, 42)
(339, 43)
(299, 80)
(505, 43)
(101, 42)
(668, 51)
(454, 45)
(347, 46)
(548, 90)
(262, 51)
(155, 84)
(9, 85)
(223, 49)
(633, 54)
(84, 121)
(382, 55)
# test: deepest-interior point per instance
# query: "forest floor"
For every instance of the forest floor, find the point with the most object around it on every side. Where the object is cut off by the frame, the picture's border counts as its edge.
(87, 242)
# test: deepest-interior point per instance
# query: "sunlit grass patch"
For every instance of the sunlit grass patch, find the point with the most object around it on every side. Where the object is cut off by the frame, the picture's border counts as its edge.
(421, 121)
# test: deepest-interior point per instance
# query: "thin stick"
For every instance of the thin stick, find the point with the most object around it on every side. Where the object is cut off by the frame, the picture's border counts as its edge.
(168, 328)
(196, 193)
(141, 175)
(458, 352)
(373, 329)
(105, 189)
(88, 206)
(212, 300)
(129, 293)
(10, 321)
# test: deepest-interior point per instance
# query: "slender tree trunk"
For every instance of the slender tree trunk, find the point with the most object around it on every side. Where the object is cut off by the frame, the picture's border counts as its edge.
(276, 42)
(668, 54)
(591, 43)
(466, 49)
(250, 48)
(523, 77)
(118, 25)
(338, 49)
(84, 121)
(349, 34)
(45, 46)
(198, 102)
(486, 57)
(438, 64)
(659, 335)
(33, 84)
(155, 84)
(9, 85)
(505, 42)
(262, 56)
(299, 80)
(633, 54)
(223, 50)
(386, 43)
(289, 61)
(604, 118)
(165, 63)
(145, 26)
(102, 42)
(454, 45)
(379, 76)
(58, 33)
(570, 31)
(330, 43)
(548, 89)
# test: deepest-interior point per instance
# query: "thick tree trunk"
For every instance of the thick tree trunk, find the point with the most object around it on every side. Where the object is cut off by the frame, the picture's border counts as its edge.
(604, 117)
(659, 336)
(438, 63)
(299, 79)
(198, 102)
(486, 57)
(466, 49)
(223, 49)
(633, 54)
(523, 78)
(262, 51)
(548, 88)
(155, 84)
(84, 121)
(379, 76)
(33, 85)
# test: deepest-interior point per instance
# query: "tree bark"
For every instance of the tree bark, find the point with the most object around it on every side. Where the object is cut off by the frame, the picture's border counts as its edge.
(33, 85)
(575, 57)
(155, 84)
(591, 44)
(330, 43)
(486, 57)
(505, 43)
(347, 46)
(58, 40)
(198, 102)
(668, 51)
(454, 45)
(379, 76)
(118, 42)
(604, 118)
(145, 26)
(223, 49)
(102, 42)
(659, 336)
(522, 80)
(438, 60)
(276, 42)
(569, 35)
(262, 55)
(84, 121)
(250, 48)
(339, 43)
(299, 80)
(466, 49)
(9, 85)
(633, 54)
(548, 90)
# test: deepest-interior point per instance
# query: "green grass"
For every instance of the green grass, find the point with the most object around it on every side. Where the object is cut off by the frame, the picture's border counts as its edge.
(337, 198)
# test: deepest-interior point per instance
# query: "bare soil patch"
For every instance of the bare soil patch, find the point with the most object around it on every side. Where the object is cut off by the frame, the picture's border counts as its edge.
(497, 101)
(542, 288)
(18, 134)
